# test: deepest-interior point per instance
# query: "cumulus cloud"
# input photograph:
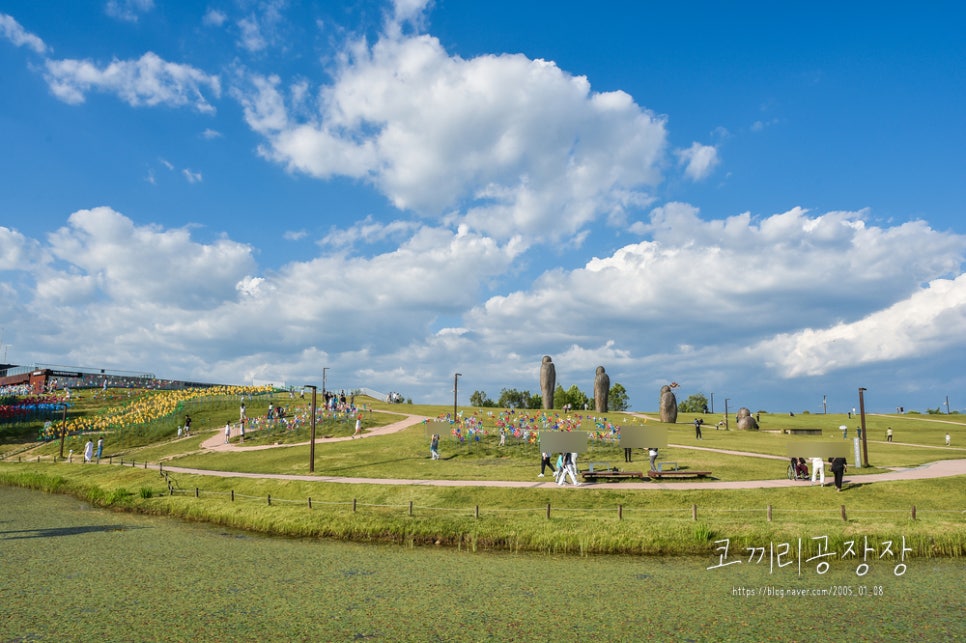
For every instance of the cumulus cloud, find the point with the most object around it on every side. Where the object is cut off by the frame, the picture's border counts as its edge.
(922, 324)
(700, 283)
(698, 160)
(20, 37)
(146, 264)
(509, 144)
(147, 81)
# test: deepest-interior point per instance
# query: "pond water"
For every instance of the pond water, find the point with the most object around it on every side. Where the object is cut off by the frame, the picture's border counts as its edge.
(69, 572)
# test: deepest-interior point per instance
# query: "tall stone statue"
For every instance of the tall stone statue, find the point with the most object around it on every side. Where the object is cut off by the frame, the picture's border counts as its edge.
(669, 403)
(746, 422)
(601, 390)
(548, 381)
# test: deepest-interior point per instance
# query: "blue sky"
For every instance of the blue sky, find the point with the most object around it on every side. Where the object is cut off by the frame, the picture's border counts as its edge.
(762, 203)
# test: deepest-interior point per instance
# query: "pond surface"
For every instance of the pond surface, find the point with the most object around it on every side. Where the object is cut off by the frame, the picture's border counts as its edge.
(69, 572)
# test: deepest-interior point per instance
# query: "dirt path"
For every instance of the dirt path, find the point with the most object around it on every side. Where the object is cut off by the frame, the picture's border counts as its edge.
(939, 469)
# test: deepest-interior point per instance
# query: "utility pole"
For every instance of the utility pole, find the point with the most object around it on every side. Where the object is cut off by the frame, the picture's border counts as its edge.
(727, 428)
(865, 444)
(825, 404)
(312, 438)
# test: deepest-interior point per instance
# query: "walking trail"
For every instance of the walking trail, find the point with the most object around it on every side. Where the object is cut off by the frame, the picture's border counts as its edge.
(939, 469)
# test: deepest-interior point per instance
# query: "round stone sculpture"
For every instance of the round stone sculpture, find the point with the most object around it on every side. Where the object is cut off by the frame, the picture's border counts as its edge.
(746, 421)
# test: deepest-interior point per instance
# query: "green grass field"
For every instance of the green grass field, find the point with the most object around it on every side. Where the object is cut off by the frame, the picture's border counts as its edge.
(596, 519)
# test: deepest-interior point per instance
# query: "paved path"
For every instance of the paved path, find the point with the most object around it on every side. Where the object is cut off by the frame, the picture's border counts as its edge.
(939, 469)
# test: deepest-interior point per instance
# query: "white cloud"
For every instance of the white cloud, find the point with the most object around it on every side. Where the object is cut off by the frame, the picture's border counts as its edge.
(698, 160)
(190, 176)
(210, 134)
(15, 33)
(512, 145)
(128, 10)
(16, 250)
(149, 81)
(261, 28)
(214, 18)
(147, 265)
(926, 323)
(702, 283)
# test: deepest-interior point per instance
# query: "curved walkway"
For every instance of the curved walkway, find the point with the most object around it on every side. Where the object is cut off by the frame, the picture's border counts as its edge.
(939, 469)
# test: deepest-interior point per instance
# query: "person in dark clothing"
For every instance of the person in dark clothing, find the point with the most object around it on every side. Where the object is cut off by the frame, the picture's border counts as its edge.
(544, 463)
(838, 470)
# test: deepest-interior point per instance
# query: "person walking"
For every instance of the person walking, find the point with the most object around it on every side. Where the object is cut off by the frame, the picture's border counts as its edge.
(544, 463)
(89, 451)
(697, 427)
(434, 447)
(187, 426)
(818, 471)
(100, 448)
(567, 470)
(652, 456)
(227, 432)
(838, 470)
(948, 439)
(358, 431)
(889, 434)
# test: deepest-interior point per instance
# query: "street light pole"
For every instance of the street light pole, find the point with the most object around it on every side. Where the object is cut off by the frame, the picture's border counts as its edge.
(323, 380)
(865, 444)
(456, 383)
(727, 399)
(312, 437)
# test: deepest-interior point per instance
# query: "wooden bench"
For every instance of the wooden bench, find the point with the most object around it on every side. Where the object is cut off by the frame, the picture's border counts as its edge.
(592, 475)
(679, 473)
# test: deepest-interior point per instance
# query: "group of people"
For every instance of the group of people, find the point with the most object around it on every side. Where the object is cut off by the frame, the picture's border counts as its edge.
(837, 465)
(89, 454)
(566, 468)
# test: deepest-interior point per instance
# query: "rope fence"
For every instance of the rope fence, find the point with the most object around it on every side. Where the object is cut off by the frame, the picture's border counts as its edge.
(619, 510)
(549, 510)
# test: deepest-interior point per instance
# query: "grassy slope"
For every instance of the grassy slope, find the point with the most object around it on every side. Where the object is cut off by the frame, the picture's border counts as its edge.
(581, 520)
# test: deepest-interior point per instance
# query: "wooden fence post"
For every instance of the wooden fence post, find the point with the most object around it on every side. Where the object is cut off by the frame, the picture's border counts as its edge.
(353, 505)
(269, 500)
(694, 512)
(476, 514)
(410, 507)
(548, 511)
(197, 492)
(233, 495)
(620, 512)
(844, 518)
(769, 513)
(913, 512)
(310, 502)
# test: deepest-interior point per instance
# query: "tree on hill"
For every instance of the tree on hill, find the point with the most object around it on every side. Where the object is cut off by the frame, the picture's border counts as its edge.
(479, 398)
(512, 398)
(696, 403)
(617, 398)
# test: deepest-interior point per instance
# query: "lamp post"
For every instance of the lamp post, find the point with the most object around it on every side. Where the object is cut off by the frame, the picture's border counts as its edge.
(312, 436)
(712, 403)
(727, 428)
(323, 380)
(865, 444)
(456, 384)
